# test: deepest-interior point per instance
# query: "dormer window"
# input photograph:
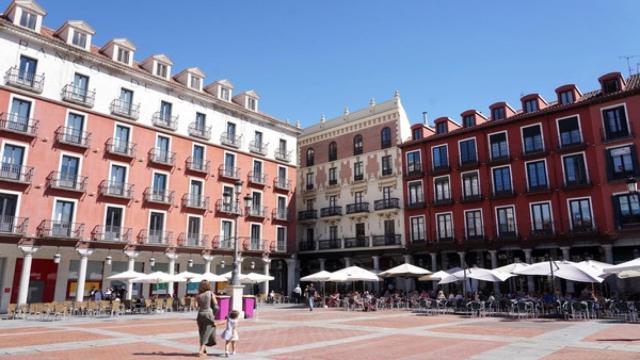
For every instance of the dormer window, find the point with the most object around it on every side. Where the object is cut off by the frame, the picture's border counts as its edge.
(612, 85)
(416, 134)
(161, 70)
(531, 105)
(566, 97)
(195, 83)
(79, 39)
(28, 20)
(497, 113)
(252, 104)
(441, 127)
(469, 121)
(225, 93)
(123, 56)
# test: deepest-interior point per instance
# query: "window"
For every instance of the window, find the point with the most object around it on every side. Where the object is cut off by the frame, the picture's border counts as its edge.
(63, 216)
(156, 228)
(125, 102)
(333, 233)
(386, 192)
(627, 209)
(566, 97)
(12, 160)
(231, 131)
(441, 127)
(197, 157)
(357, 145)
(28, 20)
(506, 221)
(333, 151)
(195, 82)
(257, 169)
(281, 238)
(19, 116)
(358, 196)
(473, 224)
(498, 113)
(575, 171)
(387, 168)
(200, 123)
(385, 138)
(256, 203)
(532, 139)
(226, 234)
(414, 165)
(580, 213)
(531, 105)
(117, 180)
(416, 134)
(165, 110)
(124, 56)
(310, 156)
(333, 178)
(225, 94)
(309, 181)
(159, 187)
(469, 121)
(499, 146)
(440, 157)
(416, 195)
(252, 104)
(69, 170)
(615, 123)
(417, 229)
(257, 139)
(470, 185)
(113, 223)
(468, 153)
(541, 219)
(445, 226)
(333, 201)
(536, 175)
(74, 132)
(358, 171)
(569, 130)
(193, 230)
(442, 189)
(502, 180)
(163, 144)
(27, 71)
(621, 162)
(80, 86)
(161, 70)
(611, 85)
(79, 39)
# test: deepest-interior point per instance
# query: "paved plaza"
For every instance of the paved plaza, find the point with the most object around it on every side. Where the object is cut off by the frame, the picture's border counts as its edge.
(288, 333)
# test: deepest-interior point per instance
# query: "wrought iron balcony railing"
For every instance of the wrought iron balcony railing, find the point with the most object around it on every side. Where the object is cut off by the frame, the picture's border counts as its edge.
(258, 147)
(12, 225)
(121, 148)
(252, 244)
(386, 240)
(110, 233)
(331, 211)
(193, 239)
(328, 244)
(230, 139)
(16, 173)
(158, 196)
(155, 237)
(229, 172)
(71, 136)
(280, 214)
(224, 243)
(24, 79)
(256, 211)
(384, 204)
(116, 189)
(200, 131)
(15, 123)
(257, 178)
(283, 155)
(78, 95)
(228, 208)
(60, 229)
(162, 157)
(358, 241)
(67, 181)
(198, 165)
(125, 109)
(307, 214)
(359, 207)
(195, 201)
(169, 122)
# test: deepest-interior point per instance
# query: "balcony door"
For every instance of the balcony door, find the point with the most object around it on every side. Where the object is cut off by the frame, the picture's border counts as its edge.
(75, 127)
(69, 169)
(12, 158)
(282, 207)
(165, 111)
(156, 227)
(258, 140)
(113, 224)
(162, 144)
(123, 134)
(20, 112)
(193, 231)
(257, 169)
(197, 156)
(159, 186)
(255, 236)
(389, 230)
(27, 70)
(229, 163)
(62, 218)
(118, 179)
(8, 205)
(231, 131)
(80, 86)
(226, 233)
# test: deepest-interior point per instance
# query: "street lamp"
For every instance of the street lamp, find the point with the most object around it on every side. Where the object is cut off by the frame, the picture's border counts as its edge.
(235, 273)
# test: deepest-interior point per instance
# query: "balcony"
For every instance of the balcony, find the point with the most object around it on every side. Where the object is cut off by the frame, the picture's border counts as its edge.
(283, 155)
(572, 144)
(576, 184)
(331, 211)
(474, 239)
(503, 194)
(414, 170)
(386, 204)
(68, 182)
(534, 153)
(169, 122)
(16, 173)
(441, 169)
(231, 140)
(199, 131)
(358, 177)
(582, 229)
(193, 240)
(355, 242)
(116, 189)
(280, 214)
(60, 230)
(12, 225)
(387, 172)
(542, 231)
(305, 215)
(224, 243)
(468, 164)
(229, 172)
(256, 211)
(608, 137)
(442, 201)
(158, 196)
(257, 178)
(471, 198)
(227, 208)
(155, 237)
(307, 245)
(387, 240)
(277, 247)
(499, 159)
(281, 183)
(162, 157)
(309, 187)
(73, 137)
(198, 165)
(24, 79)
(333, 182)
(121, 148)
(125, 109)
(329, 244)
(507, 236)
(250, 244)
(360, 207)
(195, 201)
(419, 204)
(258, 147)
(17, 124)
(77, 95)
(109, 233)
(536, 189)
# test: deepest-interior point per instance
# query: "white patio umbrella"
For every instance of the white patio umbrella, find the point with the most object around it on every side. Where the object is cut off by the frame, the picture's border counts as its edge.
(353, 273)
(320, 276)
(625, 270)
(476, 273)
(209, 276)
(512, 268)
(127, 275)
(567, 270)
(258, 278)
(188, 275)
(597, 266)
(229, 275)
(405, 270)
(438, 275)
(158, 277)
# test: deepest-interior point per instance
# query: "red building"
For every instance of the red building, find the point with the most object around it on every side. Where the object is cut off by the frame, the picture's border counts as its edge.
(552, 179)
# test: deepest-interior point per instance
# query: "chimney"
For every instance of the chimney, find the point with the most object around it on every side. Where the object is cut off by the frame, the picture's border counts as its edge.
(425, 118)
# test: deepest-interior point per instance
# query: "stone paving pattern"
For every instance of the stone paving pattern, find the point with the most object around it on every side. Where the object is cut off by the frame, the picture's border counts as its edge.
(287, 334)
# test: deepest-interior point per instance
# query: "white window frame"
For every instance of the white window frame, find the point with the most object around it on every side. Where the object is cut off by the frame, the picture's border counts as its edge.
(626, 115)
(408, 192)
(75, 207)
(475, 143)
(539, 124)
(493, 180)
(479, 182)
(526, 171)
(424, 230)
(506, 138)
(437, 224)
(419, 156)
(566, 118)
(26, 146)
(446, 146)
(593, 218)
(531, 204)
(515, 217)
(466, 232)
(435, 193)
(23, 98)
(584, 159)
(285, 237)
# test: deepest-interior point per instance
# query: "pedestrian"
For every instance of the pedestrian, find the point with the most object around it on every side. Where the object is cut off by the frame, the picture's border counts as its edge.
(97, 295)
(230, 333)
(297, 294)
(311, 295)
(207, 306)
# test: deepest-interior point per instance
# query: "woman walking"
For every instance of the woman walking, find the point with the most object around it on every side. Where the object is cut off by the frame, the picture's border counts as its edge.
(207, 306)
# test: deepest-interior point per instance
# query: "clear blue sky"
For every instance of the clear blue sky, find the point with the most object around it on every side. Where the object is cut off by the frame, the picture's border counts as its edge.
(306, 58)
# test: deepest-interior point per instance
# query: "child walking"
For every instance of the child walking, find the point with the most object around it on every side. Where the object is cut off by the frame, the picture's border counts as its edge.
(230, 333)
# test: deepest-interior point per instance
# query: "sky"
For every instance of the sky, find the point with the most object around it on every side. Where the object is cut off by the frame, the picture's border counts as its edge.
(308, 58)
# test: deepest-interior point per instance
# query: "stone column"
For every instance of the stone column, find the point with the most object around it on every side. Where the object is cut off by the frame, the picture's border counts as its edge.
(267, 266)
(106, 272)
(408, 282)
(172, 269)
(207, 262)
(461, 254)
(566, 256)
(347, 261)
(82, 273)
(494, 264)
(531, 285)
(445, 260)
(434, 260)
(291, 275)
(376, 269)
(25, 276)
(321, 260)
(132, 255)
(608, 253)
